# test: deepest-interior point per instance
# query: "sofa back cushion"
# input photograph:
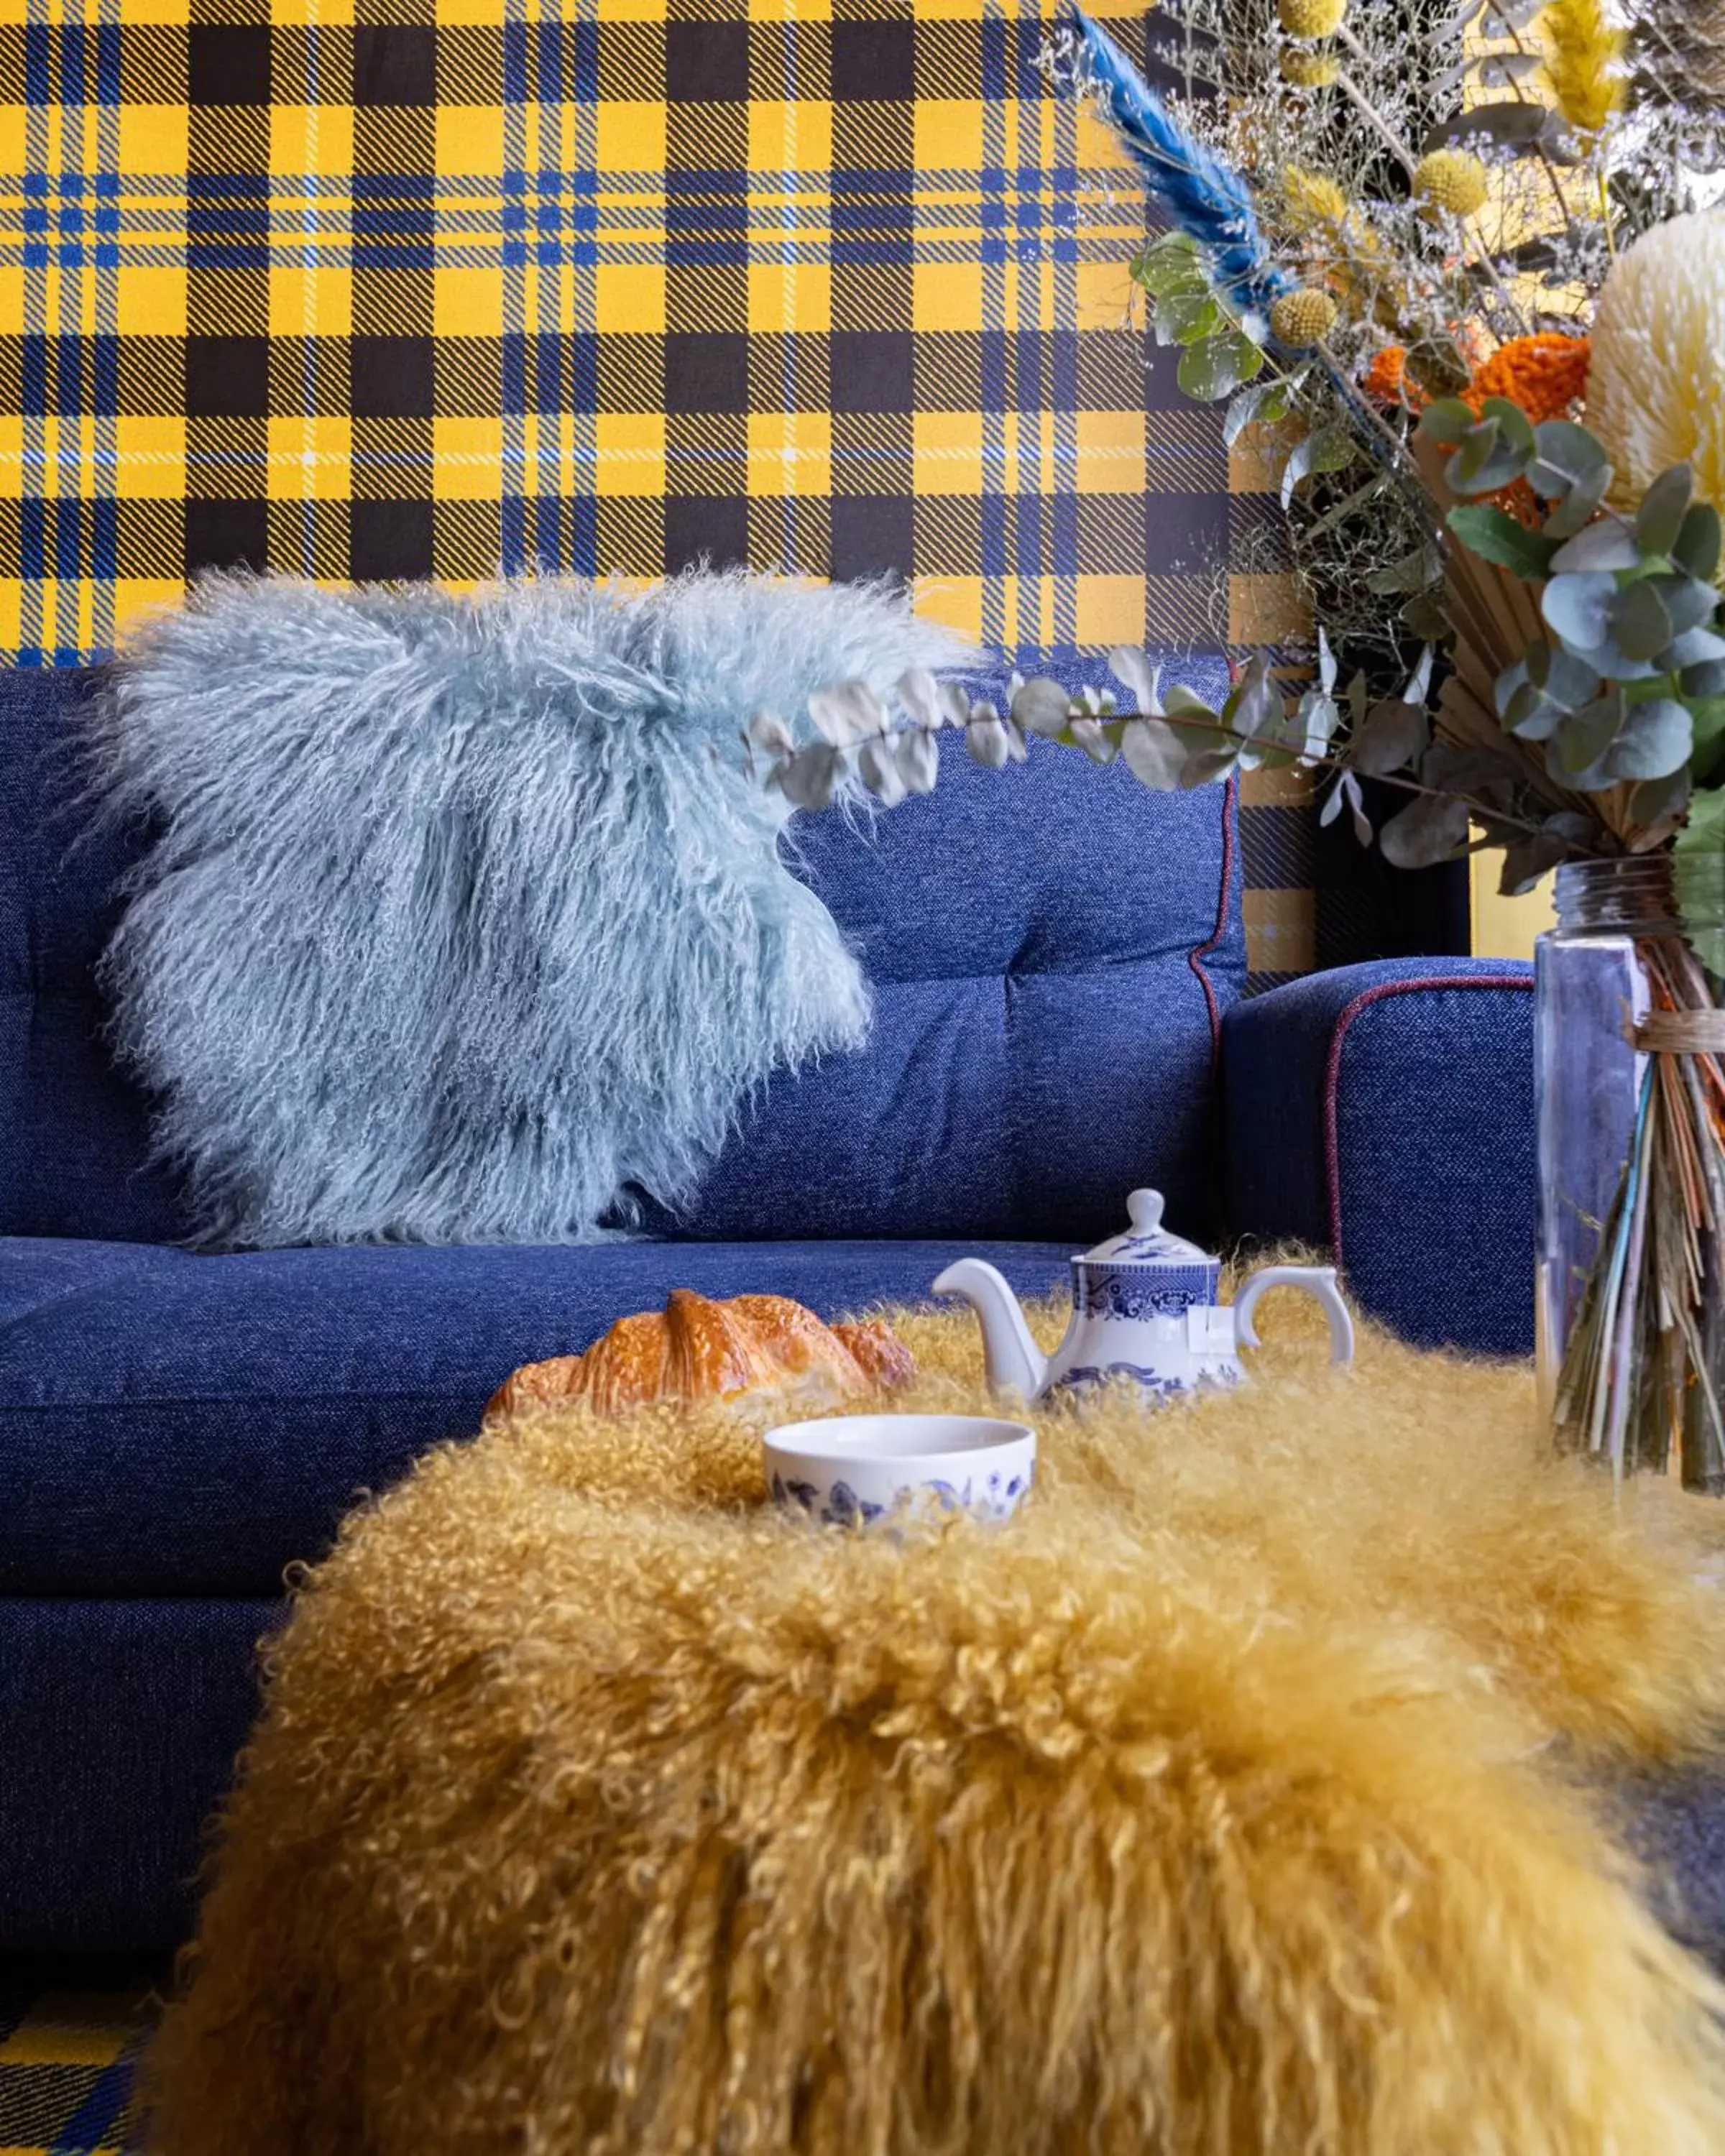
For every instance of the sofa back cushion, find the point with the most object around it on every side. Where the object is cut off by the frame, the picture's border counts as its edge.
(1047, 944)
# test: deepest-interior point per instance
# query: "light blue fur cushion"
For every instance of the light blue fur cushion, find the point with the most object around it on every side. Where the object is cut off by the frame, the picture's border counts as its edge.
(464, 916)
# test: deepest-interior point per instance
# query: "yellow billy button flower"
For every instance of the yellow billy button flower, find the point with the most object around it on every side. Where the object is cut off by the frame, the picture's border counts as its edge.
(1303, 318)
(1308, 70)
(1310, 18)
(1453, 180)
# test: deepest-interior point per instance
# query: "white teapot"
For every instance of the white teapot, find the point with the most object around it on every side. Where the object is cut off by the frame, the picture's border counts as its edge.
(1143, 1306)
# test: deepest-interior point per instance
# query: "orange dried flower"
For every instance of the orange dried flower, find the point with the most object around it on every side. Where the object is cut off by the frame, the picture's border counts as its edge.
(1387, 379)
(1545, 375)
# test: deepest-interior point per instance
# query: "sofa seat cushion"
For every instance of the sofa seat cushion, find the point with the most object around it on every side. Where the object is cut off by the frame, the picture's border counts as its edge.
(172, 1424)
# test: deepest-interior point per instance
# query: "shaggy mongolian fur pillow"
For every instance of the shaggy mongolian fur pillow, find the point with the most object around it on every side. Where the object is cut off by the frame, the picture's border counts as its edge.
(462, 915)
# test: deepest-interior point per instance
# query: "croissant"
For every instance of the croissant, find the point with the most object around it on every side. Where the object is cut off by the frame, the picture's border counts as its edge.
(696, 1348)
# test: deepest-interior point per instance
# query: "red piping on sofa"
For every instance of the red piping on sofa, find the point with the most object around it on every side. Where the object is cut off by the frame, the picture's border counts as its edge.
(1332, 1066)
(1199, 952)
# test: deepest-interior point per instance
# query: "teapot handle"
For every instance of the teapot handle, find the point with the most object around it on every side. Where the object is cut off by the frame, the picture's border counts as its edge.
(1319, 1280)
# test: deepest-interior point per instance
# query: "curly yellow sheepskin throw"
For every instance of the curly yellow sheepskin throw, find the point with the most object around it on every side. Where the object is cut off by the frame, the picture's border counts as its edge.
(1224, 1803)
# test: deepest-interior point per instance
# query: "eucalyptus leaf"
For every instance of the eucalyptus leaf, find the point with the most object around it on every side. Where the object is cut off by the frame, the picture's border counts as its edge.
(1432, 828)
(1519, 127)
(1526, 859)
(1654, 742)
(1424, 617)
(918, 758)
(1495, 536)
(986, 741)
(1255, 703)
(1171, 263)
(1484, 460)
(1215, 368)
(1706, 680)
(1208, 765)
(1579, 506)
(1098, 743)
(768, 732)
(1514, 678)
(1154, 753)
(1578, 607)
(1707, 759)
(1326, 664)
(877, 767)
(1691, 602)
(1184, 317)
(1417, 571)
(1513, 424)
(1639, 624)
(1609, 544)
(1698, 858)
(1346, 793)
(1565, 454)
(1445, 420)
(1316, 719)
(1332, 449)
(1660, 519)
(1181, 700)
(1696, 548)
(920, 694)
(1568, 681)
(1458, 770)
(1583, 736)
(1246, 410)
(1532, 714)
(1136, 671)
(1394, 734)
(846, 713)
(1660, 800)
(808, 779)
(1042, 706)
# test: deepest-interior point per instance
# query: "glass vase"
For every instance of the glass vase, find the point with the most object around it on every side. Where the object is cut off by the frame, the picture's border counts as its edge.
(1629, 1075)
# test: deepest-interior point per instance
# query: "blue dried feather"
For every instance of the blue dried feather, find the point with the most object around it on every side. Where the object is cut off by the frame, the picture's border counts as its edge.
(1202, 195)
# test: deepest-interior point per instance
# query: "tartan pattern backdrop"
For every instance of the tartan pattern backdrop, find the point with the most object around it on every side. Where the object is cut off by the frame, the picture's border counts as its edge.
(396, 288)
(68, 2061)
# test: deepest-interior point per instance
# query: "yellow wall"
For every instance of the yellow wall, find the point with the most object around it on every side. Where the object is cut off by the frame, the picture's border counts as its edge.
(1505, 928)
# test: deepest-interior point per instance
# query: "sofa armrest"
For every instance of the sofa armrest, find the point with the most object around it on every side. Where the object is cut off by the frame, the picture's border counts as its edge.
(1386, 1111)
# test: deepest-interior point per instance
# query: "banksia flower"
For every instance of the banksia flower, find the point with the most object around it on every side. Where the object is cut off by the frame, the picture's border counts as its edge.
(1655, 389)
(1583, 56)
(1310, 18)
(1453, 180)
(1545, 375)
(1300, 319)
(1308, 70)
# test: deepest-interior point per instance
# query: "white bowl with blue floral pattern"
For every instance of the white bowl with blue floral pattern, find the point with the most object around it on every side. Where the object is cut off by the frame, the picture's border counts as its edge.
(847, 1471)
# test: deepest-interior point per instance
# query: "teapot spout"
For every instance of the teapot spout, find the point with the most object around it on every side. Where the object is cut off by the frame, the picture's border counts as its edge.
(1014, 1361)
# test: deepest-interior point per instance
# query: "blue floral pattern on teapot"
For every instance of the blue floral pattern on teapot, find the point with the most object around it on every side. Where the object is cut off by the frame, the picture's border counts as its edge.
(1144, 1311)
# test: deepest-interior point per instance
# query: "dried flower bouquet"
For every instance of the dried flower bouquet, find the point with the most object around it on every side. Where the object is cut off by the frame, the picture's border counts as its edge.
(1460, 264)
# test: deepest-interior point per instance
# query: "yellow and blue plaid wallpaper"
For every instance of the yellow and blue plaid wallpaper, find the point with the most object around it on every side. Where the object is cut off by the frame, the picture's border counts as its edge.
(368, 288)
(396, 288)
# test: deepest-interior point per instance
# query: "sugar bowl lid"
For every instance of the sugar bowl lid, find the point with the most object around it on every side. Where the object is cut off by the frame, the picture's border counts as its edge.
(1146, 1241)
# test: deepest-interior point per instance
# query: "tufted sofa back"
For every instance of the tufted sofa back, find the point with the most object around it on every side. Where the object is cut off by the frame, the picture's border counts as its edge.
(1051, 946)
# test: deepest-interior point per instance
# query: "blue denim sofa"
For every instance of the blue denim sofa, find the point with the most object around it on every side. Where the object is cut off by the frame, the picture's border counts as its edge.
(1058, 957)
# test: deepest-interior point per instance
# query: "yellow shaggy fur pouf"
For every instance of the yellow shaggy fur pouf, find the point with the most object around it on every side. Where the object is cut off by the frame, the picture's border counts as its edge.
(1227, 1801)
